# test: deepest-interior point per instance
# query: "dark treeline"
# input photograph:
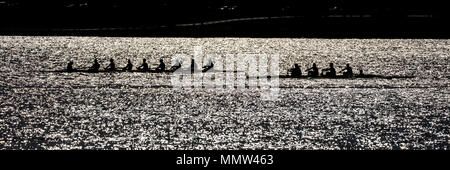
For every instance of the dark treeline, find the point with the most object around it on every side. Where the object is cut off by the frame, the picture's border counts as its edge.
(154, 13)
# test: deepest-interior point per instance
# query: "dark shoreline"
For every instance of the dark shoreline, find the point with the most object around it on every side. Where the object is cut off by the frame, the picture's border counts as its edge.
(260, 28)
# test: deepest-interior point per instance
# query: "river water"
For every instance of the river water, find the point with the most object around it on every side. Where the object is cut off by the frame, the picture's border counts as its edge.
(45, 110)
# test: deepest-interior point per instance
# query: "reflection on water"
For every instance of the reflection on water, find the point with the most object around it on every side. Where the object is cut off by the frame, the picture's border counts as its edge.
(141, 111)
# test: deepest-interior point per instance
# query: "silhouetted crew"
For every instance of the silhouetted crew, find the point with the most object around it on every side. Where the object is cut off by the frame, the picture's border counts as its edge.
(144, 66)
(70, 66)
(330, 72)
(129, 66)
(296, 71)
(208, 66)
(361, 73)
(175, 66)
(193, 65)
(348, 71)
(161, 66)
(95, 67)
(111, 66)
(313, 71)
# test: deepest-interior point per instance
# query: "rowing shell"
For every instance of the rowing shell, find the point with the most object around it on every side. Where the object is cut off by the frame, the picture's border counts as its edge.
(109, 71)
(143, 71)
(188, 71)
(366, 76)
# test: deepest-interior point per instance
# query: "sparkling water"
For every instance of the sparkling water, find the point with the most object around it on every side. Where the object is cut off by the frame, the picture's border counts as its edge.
(45, 110)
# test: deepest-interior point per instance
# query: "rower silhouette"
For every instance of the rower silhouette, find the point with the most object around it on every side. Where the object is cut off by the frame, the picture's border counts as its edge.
(95, 67)
(296, 71)
(111, 66)
(348, 71)
(330, 72)
(313, 71)
(144, 66)
(208, 66)
(129, 66)
(176, 66)
(193, 65)
(161, 66)
(70, 66)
